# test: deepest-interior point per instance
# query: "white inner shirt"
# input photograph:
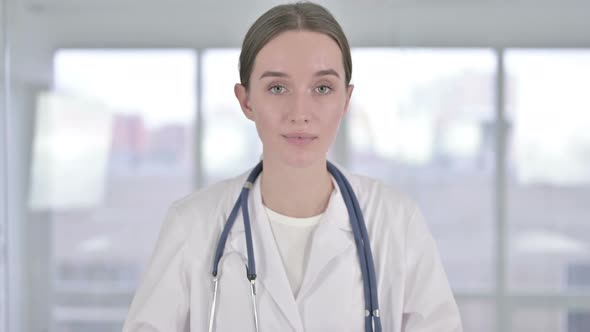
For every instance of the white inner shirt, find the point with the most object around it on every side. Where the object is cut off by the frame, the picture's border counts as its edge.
(293, 238)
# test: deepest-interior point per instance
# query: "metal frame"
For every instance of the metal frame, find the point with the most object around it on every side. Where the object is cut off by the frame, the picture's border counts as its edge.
(502, 311)
(198, 122)
(3, 168)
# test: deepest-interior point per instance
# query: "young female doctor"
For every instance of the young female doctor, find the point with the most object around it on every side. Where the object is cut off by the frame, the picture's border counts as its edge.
(296, 244)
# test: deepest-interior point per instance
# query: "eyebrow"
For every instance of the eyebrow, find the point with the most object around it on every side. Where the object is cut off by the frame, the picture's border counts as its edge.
(327, 72)
(281, 74)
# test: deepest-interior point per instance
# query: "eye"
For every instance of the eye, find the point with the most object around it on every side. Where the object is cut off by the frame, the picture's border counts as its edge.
(277, 89)
(323, 89)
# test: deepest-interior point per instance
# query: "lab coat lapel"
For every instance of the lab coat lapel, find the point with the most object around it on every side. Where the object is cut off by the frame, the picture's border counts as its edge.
(332, 238)
(269, 265)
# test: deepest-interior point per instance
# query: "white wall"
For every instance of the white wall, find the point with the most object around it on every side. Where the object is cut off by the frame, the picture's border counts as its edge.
(44, 25)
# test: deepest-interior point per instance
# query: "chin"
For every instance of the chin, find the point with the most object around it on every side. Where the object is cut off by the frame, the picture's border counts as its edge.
(298, 160)
(303, 160)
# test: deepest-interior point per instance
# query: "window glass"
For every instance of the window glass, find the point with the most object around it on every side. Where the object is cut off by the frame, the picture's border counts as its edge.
(548, 169)
(113, 148)
(230, 141)
(422, 120)
(550, 320)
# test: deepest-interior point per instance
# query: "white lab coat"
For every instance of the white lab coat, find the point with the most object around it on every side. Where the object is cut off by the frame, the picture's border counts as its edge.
(177, 290)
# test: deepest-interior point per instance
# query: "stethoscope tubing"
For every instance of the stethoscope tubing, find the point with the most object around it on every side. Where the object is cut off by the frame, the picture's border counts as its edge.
(372, 315)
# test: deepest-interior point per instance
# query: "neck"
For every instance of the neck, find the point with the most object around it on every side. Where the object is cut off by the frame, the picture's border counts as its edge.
(296, 192)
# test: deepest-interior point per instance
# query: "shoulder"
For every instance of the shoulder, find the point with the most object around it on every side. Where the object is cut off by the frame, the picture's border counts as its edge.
(199, 207)
(374, 193)
(211, 196)
(387, 210)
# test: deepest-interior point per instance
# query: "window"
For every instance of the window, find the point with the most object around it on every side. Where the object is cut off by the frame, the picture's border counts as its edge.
(230, 141)
(423, 121)
(578, 321)
(550, 320)
(113, 149)
(548, 168)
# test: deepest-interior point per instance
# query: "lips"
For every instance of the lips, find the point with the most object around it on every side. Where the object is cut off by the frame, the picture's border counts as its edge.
(300, 135)
(299, 139)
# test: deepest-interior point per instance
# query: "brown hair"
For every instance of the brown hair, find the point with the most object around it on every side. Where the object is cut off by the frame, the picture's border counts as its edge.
(297, 16)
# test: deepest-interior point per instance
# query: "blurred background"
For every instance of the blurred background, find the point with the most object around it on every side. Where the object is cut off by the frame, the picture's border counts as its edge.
(110, 110)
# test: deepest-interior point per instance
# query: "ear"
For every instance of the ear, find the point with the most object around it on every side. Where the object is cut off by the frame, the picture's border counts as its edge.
(242, 96)
(349, 90)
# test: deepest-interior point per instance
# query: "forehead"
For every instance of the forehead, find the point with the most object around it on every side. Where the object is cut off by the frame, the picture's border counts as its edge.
(299, 52)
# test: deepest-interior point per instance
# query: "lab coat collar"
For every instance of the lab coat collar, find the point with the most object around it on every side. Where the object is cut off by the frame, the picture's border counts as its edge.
(336, 207)
(331, 238)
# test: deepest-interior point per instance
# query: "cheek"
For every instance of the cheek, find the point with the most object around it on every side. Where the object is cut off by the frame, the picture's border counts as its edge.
(334, 112)
(267, 122)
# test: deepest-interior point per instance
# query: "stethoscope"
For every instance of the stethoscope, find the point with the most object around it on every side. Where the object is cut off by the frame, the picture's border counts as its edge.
(361, 238)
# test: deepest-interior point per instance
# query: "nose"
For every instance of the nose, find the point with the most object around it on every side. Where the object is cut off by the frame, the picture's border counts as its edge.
(300, 112)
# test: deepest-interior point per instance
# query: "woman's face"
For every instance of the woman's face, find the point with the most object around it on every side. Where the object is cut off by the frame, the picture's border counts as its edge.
(297, 97)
